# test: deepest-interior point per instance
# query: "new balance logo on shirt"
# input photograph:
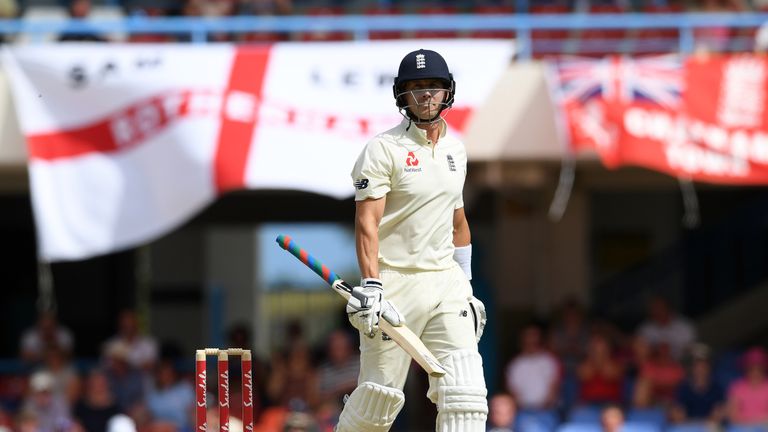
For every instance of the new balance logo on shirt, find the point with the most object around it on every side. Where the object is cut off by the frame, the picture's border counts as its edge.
(361, 184)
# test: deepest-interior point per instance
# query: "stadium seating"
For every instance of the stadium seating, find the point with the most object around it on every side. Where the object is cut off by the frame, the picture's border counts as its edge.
(689, 427)
(550, 41)
(323, 35)
(536, 420)
(634, 426)
(585, 414)
(492, 34)
(436, 34)
(747, 428)
(579, 427)
(49, 13)
(112, 13)
(603, 41)
(653, 416)
(383, 11)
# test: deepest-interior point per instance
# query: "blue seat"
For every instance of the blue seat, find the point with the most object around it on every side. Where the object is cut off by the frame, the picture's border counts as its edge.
(528, 420)
(747, 428)
(585, 414)
(655, 416)
(689, 427)
(639, 426)
(579, 427)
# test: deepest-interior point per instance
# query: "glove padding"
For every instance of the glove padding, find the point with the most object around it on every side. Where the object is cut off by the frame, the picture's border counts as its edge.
(480, 316)
(367, 303)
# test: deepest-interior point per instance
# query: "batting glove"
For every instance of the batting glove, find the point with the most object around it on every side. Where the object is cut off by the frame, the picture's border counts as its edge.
(480, 316)
(367, 304)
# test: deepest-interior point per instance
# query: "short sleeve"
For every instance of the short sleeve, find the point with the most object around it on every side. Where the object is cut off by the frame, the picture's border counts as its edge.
(372, 174)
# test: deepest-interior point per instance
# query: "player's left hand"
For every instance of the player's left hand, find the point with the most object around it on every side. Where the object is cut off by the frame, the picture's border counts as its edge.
(480, 315)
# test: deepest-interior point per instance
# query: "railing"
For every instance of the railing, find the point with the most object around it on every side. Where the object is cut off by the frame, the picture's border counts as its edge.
(360, 26)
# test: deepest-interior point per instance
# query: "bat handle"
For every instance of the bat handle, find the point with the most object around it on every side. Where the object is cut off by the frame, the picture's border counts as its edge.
(287, 243)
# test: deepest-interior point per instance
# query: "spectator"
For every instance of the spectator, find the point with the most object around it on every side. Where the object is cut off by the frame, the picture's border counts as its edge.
(27, 421)
(748, 396)
(66, 381)
(665, 326)
(126, 381)
(50, 410)
(142, 349)
(533, 376)
(636, 356)
(699, 397)
(81, 9)
(47, 333)
(97, 405)
(600, 374)
(338, 375)
(292, 376)
(171, 398)
(501, 413)
(569, 337)
(659, 378)
(612, 419)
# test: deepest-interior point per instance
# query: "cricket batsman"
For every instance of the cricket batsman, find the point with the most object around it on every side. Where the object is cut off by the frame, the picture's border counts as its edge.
(414, 252)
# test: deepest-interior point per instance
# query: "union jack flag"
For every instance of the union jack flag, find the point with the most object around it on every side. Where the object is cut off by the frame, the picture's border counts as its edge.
(657, 79)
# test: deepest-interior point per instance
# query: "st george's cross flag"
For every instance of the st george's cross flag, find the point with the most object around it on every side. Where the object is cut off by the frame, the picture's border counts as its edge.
(126, 141)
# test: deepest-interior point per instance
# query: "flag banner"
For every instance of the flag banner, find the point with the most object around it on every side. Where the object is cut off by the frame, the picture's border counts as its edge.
(128, 141)
(702, 119)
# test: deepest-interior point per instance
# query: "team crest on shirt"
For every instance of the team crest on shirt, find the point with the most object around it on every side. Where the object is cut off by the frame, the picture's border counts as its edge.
(451, 163)
(412, 163)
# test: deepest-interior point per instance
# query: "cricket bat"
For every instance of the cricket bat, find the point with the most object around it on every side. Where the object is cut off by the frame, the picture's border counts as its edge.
(402, 335)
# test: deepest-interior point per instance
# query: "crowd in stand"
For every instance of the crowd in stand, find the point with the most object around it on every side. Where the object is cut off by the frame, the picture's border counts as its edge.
(574, 371)
(136, 386)
(587, 375)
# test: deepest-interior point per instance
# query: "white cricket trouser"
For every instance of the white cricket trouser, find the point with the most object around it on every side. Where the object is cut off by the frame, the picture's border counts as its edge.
(436, 308)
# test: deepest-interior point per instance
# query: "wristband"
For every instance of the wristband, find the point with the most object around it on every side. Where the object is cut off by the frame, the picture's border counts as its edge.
(371, 283)
(463, 256)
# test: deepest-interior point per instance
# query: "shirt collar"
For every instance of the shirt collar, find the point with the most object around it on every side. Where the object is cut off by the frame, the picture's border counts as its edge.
(420, 135)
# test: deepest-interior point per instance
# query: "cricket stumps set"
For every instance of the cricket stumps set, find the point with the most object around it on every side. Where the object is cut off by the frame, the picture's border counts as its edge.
(201, 363)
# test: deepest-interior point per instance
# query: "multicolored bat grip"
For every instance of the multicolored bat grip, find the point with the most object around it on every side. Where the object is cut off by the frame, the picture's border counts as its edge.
(324, 272)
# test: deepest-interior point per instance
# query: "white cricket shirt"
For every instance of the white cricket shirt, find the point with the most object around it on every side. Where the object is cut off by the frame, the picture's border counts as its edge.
(423, 185)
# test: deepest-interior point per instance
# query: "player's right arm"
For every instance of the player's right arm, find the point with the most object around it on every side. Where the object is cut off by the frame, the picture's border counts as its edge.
(368, 215)
(372, 178)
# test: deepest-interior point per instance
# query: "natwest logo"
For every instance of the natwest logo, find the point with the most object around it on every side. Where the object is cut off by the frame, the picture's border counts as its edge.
(411, 160)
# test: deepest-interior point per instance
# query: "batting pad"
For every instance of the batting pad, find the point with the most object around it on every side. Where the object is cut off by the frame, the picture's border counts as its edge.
(371, 408)
(461, 394)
